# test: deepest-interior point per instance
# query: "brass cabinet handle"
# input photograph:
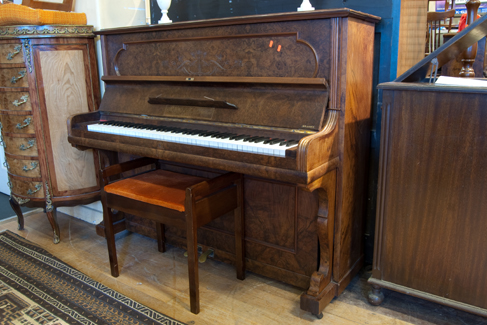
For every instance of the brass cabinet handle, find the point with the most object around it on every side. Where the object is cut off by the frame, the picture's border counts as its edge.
(22, 74)
(30, 144)
(33, 165)
(37, 189)
(26, 123)
(17, 49)
(23, 100)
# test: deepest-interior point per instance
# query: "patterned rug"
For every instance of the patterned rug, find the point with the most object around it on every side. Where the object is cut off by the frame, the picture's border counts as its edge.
(36, 288)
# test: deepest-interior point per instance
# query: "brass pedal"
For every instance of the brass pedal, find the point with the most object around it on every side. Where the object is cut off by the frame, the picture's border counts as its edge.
(209, 253)
(204, 256)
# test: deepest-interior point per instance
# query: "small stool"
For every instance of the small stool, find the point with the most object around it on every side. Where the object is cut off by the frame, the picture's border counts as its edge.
(174, 199)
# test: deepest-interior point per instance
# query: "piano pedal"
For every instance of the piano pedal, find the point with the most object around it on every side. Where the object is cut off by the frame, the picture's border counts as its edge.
(209, 253)
(203, 256)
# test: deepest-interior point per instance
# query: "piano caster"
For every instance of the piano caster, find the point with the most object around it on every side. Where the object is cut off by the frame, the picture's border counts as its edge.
(204, 256)
(56, 239)
(320, 315)
(375, 296)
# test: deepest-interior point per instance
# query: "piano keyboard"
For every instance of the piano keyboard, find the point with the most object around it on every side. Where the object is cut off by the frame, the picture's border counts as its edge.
(211, 139)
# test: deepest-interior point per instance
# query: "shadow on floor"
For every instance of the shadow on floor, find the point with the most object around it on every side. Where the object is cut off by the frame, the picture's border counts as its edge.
(5, 209)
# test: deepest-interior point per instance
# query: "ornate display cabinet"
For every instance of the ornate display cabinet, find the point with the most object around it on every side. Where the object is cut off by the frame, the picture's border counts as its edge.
(47, 73)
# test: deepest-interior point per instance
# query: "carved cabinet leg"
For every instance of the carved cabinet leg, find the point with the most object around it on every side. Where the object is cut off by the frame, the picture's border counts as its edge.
(52, 216)
(20, 217)
(376, 296)
(322, 290)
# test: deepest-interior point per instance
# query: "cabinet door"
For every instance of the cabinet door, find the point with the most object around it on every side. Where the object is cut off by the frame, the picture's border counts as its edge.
(64, 75)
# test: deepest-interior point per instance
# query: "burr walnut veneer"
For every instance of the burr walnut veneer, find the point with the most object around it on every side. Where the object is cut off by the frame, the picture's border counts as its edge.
(47, 73)
(305, 77)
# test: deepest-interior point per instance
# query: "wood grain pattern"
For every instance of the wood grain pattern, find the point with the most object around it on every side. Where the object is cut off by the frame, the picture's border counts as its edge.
(14, 145)
(22, 187)
(65, 95)
(256, 55)
(23, 124)
(22, 99)
(23, 149)
(7, 74)
(283, 236)
(431, 220)
(355, 121)
(11, 50)
(23, 167)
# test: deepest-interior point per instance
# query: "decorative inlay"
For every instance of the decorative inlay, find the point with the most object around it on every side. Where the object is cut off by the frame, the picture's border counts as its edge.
(49, 206)
(40, 31)
(201, 65)
(27, 53)
(259, 55)
(20, 200)
(1, 136)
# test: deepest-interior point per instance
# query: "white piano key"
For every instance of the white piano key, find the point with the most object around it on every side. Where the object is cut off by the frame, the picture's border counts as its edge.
(193, 139)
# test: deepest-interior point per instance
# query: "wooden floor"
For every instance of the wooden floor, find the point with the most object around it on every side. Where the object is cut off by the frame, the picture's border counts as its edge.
(160, 282)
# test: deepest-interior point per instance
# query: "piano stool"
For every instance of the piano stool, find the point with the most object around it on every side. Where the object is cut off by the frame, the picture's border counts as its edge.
(174, 199)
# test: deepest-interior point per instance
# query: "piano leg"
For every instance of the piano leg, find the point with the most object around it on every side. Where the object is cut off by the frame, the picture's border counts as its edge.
(322, 290)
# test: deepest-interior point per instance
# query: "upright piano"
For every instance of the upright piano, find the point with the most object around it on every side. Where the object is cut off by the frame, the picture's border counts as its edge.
(284, 99)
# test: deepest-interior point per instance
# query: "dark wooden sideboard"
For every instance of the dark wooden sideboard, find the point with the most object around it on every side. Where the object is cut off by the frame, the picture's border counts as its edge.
(431, 229)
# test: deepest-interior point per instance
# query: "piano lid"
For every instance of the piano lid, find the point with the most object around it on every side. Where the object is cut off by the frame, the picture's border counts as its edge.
(448, 51)
(265, 18)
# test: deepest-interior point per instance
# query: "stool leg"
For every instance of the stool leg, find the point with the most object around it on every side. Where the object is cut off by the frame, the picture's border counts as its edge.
(161, 237)
(110, 237)
(192, 243)
(239, 233)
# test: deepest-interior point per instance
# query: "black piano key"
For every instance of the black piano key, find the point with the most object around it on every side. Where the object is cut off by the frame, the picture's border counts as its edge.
(288, 143)
(207, 134)
(291, 143)
(261, 139)
(221, 135)
(273, 141)
(239, 137)
(226, 135)
(249, 139)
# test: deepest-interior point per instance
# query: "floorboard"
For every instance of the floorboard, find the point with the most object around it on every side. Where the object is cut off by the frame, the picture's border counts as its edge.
(160, 282)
